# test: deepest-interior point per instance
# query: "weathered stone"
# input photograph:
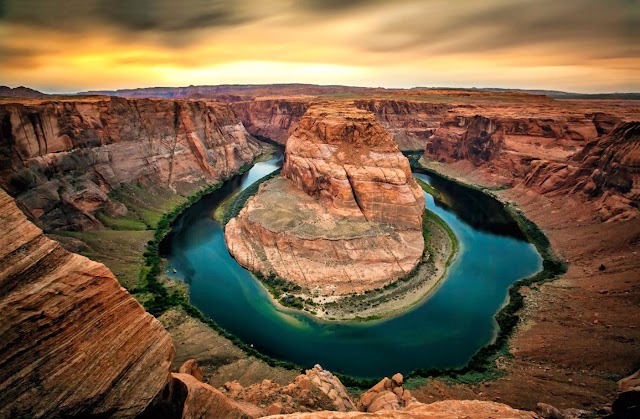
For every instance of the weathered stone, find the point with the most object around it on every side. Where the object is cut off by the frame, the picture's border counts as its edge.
(547, 411)
(446, 409)
(73, 341)
(191, 367)
(64, 157)
(397, 379)
(346, 204)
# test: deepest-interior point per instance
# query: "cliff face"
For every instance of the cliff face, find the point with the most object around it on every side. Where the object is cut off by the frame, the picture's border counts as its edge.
(61, 159)
(346, 204)
(484, 136)
(546, 151)
(606, 171)
(73, 341)
(410, 123)
(348, 160)
(275, 119)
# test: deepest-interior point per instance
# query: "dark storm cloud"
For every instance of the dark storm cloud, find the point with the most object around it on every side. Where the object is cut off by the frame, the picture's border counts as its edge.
(128, 15)
(335, 5)
(610, 27)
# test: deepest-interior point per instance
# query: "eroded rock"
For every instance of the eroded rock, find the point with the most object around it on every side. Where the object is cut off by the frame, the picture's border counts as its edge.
(73, 342)
(345, 205)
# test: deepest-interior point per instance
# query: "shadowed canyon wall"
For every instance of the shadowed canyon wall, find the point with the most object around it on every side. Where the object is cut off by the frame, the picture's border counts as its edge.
(61, 159)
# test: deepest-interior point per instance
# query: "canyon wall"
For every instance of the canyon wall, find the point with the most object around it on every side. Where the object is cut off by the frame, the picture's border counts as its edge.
(547, 150)
(275, 119)
(61, 159)
(410, 123)
(346, 204)
(606, 171)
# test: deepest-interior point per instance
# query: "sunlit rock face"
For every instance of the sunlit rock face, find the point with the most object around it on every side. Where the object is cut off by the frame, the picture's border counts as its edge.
(74, 342)
(346, 215)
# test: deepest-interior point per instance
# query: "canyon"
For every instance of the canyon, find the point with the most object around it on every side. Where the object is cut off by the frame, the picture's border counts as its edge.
(570, 165)
(346, 202)
(61, 160)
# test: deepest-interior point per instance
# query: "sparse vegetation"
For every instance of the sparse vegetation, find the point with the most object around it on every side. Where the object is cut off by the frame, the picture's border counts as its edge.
(232, 207)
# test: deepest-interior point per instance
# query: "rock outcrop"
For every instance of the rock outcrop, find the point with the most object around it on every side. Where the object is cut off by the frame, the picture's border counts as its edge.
(61, 159)
(410, 123)
(317, 389)
(275, 119)
(388, 394)
(346, 204)
(445, 409)
(72, 341)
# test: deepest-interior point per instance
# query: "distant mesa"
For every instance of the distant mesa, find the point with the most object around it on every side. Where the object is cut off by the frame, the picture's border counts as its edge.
(21, 91)
(346, 214)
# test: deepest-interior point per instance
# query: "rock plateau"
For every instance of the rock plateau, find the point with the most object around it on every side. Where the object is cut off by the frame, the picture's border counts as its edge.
(346, 215)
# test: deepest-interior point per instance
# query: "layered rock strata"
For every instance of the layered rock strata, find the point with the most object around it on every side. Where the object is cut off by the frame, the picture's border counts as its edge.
(606, 171)
(61, 159)
(346, 215)
(410, 123)
(72, 341)
(275, 119)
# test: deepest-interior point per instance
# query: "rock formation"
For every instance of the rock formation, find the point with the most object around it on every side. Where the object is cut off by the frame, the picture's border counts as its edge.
(445, 409)
(275, 119)
(606, 171)
(345, 205)
(73, 342)
(410, 123)
(317, 389)
(61, 159)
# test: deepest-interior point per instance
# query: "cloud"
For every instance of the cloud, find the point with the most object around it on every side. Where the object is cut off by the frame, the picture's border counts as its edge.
(128, 15)
(465, 26)
(405, 41)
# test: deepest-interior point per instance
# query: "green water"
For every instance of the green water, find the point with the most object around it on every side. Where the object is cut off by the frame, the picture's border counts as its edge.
(443, 331)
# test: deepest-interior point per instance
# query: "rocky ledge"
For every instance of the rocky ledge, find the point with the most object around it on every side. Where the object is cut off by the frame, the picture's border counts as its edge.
(346, 215)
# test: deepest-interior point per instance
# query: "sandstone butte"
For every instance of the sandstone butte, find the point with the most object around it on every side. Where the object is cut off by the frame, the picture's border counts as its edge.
(346, 215)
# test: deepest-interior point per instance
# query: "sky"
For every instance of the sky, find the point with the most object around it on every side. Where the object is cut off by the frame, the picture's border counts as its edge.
(572, 45)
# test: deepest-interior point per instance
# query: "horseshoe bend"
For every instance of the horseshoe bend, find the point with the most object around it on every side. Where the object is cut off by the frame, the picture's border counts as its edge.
(345, 216)
(331, 250)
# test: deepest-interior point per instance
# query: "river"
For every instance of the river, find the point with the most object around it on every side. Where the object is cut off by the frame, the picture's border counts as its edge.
(443, 331)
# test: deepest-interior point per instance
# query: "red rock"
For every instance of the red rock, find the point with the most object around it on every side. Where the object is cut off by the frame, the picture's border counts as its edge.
(397, 379)
(446, 409)
(191, 367)
(73, 341)
(68, 155)
(347, 204)
(204, 401)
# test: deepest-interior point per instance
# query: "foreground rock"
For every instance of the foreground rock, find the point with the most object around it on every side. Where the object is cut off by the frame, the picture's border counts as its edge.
(72, 341)
(315, 390)
(439, 410)
(346, 204)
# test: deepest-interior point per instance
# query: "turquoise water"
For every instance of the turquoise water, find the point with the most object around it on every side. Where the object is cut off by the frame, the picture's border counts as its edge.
(443, 331)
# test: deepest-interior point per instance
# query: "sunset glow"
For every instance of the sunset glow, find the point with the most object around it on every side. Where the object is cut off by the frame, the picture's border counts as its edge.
(584, 45)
